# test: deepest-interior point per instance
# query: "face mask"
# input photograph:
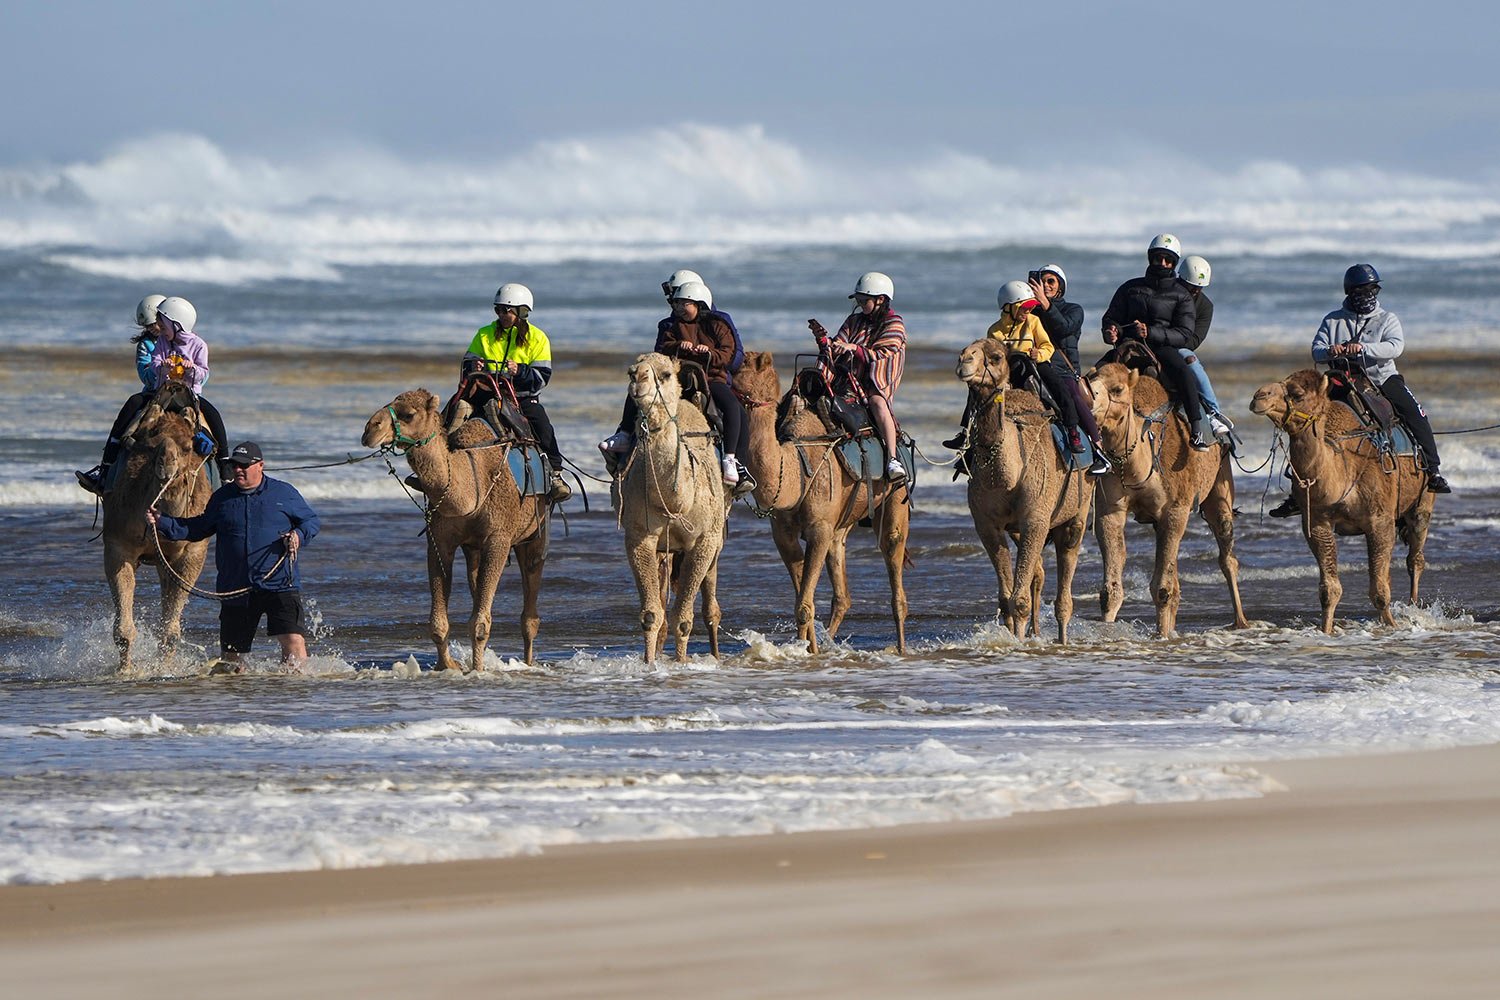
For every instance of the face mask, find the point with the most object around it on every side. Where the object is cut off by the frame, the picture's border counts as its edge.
(1159, 271)
(1361, 300)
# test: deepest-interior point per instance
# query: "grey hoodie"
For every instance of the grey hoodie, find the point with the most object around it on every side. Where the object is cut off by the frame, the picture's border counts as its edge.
(1379, 332)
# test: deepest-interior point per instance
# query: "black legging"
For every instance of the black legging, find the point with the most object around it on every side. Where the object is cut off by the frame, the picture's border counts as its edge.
(736, 425)
(1410, 412)
(1174, 370)
(135, 404)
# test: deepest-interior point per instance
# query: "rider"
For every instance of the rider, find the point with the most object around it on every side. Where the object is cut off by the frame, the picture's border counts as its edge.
(1063, 320)
(696, 334)
(1158, 311)
(176, 352)
(1195, 273)
(871, 348)
(514, 349)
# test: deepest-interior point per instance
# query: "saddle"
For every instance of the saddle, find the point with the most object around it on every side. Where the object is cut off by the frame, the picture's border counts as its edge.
(837, 402)
(1023, 375)
(693, 379)
(171, 397)
(502, 411)
(1352, 387)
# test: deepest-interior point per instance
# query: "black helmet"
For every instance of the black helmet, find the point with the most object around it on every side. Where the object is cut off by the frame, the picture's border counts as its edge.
(1360, 274)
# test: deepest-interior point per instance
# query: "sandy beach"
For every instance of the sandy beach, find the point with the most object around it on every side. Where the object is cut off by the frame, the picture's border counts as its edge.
(1373, 876)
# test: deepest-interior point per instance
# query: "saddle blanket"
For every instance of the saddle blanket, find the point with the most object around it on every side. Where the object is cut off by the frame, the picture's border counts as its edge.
(1081, 460)
(530, 469)
(864, 457)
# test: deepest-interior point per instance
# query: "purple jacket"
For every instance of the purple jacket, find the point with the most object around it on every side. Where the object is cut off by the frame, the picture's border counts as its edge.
(191, 347)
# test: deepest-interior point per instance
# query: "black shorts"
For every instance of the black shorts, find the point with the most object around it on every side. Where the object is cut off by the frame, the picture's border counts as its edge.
(282, 609)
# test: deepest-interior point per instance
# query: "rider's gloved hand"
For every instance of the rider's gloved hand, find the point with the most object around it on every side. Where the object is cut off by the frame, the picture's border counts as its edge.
(472, 365)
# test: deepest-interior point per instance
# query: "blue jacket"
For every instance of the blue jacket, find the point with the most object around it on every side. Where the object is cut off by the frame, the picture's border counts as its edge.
(143, 367)
(249, 527)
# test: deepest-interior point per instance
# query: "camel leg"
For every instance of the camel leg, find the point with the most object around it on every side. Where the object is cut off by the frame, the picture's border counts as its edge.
(1068, 540)
(1414, 533)
(1109, 531)
(838, 576)
(1218, 512)
(1166, 589)
(490, 557)
(1324, 546)
(891, 522)
(819, 541)
(697, 562)
(1379, 542)
(646, 568)
(531, 556)
(1038, 584)
(1028, 564)
(173, 599)
(121, 575)
(440, 583)
(711, 612)
(993, 538)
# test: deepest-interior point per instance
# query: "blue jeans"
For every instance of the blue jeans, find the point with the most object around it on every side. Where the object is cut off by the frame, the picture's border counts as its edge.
(1200, 376)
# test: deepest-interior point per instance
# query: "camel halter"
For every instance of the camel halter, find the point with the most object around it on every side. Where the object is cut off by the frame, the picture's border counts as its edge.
(401, 442)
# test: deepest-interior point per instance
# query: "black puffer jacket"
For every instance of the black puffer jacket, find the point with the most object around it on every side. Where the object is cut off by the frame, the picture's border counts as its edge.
(1162, 304)
(1064, 324)
(1204, 307)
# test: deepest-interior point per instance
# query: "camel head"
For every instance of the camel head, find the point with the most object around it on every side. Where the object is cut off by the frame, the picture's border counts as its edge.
(1294, 402)
(984, 364)
(653, 382)
(757, 377)
(1113, 389)
(168, 437)
(407, 419)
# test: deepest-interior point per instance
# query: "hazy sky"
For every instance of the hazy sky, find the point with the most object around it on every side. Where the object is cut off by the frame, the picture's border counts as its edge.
(1391, 84)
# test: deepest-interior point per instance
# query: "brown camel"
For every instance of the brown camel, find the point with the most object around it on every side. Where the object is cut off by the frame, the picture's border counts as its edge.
(1018, 483)
(1158, 478)
(1345, 486)
(473, 503)
(819, 507)
(160, 467)
(673, 506)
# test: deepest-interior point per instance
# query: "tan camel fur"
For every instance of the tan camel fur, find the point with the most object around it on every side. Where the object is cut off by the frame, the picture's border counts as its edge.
(1018, 483)
(1346, 487)
(159, 454)
(812, 515)
(1158, 478)
(473, 503)
(673, 506)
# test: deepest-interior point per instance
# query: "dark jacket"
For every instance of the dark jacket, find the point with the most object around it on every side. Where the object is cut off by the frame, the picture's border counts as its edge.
(1204, 308)
(708, 330)
(1064, 325)
(1163, 304)
(249, 527)
(663, 325)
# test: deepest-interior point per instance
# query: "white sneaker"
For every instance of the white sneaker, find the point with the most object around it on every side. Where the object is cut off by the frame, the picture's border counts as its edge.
(1221, 428)
(895, 471)
(731, 471)
(617, 443)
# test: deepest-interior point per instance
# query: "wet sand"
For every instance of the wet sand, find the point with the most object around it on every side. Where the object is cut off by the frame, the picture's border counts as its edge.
(1370, 877)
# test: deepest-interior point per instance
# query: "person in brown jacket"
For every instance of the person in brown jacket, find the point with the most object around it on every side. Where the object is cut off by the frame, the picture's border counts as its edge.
(699, 336)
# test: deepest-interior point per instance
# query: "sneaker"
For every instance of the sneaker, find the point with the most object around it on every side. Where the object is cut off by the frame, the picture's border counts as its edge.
(1101, 464)
(731, 472)
(1075, 441)
(746, 484)
(617, 443)
(558, 491)
(1287, 508)
(1437, 484)
(1220, 427)
(895, 471)
(954, 443)
(413, 482)
(92, 480)
(1197, 441)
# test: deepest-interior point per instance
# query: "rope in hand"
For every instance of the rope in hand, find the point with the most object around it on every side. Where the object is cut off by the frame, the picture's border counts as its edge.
(1471, 430)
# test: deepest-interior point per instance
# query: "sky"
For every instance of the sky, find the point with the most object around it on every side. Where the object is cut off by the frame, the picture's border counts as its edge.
(1394, 85)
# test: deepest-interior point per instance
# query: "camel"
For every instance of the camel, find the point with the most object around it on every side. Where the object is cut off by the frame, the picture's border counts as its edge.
(473, 503)
(673, 506)
(1158, 478)
(161, 468)
(1345, 486)
(818, 508)
(1020, 484)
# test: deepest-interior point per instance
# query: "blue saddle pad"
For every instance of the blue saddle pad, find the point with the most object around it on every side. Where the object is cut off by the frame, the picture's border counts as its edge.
(865, 457)
(529, 467)
(1400, 440)
(1081, 460)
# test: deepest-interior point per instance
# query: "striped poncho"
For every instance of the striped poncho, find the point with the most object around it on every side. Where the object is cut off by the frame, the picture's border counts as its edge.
(881, 343)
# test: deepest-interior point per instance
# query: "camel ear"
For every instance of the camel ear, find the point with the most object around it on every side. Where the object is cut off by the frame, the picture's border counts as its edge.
(1133, 378)
(1323, 386)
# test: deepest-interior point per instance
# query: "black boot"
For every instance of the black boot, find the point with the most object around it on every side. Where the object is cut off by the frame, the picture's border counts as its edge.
(1437, 484)
(1287, 508)
(93, 479)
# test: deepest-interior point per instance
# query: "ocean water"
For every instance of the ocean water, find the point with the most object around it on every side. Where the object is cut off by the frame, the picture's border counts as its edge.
(325, 286)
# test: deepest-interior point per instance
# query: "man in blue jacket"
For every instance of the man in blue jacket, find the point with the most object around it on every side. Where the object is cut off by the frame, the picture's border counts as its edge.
(260, 525)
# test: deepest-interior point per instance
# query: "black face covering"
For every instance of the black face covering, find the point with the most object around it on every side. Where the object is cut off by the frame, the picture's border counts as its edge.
(1159, 271)
(1361, 299)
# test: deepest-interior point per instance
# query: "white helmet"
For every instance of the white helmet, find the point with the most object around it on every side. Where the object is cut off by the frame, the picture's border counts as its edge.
(1195, 271)
(1167, 242)
(1062, 278)
(145, 313)
(680, 277)
(1014, 291)
(179, 311)
(694, 291)
(875, 283)
(512, 294)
